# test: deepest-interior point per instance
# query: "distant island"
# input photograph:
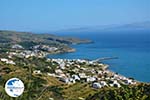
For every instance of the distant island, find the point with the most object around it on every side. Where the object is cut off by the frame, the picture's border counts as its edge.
(23, 55)
(138, 26)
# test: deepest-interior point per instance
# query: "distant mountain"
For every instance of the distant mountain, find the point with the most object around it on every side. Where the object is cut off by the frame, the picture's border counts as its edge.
(126, 27)
(135, 26)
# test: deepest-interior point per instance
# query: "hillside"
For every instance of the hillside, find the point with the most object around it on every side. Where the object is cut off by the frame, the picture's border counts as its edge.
(28, 40)
(23, 55)
(42, 86)
(18, 37)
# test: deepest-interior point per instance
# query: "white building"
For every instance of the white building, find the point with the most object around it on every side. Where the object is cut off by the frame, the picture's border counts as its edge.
(17, 46)
(76, 77)
(37, 72)
(103, 83)
(96, 85)
(82, 75)
(91, 79)
(7, 61)
(64, 79)
(115, 84)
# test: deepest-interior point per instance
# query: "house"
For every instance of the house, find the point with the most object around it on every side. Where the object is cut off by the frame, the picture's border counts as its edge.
(78, 66)
(129, 81)
(7, 61)
(115, 84)
(9, 56)
(49, 74)
(92, 71)
(62, 65)
(91, 62)
(11, 62)
(82, 75)
(96, 85)
(4, 59)
(91, 79)
(76, 77)
(80, 98)
(58, 71)
(64, 79)
(37, 72)
(51, 98)
(17, 46)
(103, 83)
(72, 80)
(52, 49)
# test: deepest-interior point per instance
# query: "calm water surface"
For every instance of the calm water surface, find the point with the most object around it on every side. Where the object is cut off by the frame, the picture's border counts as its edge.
(132, 48)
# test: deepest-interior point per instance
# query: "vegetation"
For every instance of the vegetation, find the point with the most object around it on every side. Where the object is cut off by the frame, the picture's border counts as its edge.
(43, 87)
(138, 92)
(28, 39)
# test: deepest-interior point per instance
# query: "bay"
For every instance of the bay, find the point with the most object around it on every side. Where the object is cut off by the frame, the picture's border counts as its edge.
(132, 48)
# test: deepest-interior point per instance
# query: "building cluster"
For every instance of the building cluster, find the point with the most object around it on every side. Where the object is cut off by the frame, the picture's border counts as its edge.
(28, 53)
(7, 61)
(17, 46)
(36, 51)
(71, 71)
(44, 48)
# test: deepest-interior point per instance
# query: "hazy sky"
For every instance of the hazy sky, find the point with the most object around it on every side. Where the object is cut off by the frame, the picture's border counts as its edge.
(48, 15)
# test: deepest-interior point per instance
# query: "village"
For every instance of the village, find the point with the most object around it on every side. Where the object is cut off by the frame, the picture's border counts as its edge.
(39, 51)
(49, 72)
(71, 71)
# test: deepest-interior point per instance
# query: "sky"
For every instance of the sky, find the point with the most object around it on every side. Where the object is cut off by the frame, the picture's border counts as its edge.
(50, 15)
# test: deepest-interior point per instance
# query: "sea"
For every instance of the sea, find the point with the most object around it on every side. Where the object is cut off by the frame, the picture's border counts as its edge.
(131, 47)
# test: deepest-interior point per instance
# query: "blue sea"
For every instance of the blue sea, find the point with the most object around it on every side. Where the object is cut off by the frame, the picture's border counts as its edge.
(131, 47)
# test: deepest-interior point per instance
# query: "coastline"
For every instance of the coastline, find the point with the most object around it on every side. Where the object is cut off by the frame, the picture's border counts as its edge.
(106, 67)
(66, 76)
(133, 57)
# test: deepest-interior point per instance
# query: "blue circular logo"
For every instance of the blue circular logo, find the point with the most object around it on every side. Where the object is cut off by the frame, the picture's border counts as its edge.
(14, 87)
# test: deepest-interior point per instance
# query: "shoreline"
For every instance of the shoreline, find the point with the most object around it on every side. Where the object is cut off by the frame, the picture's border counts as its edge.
(89, 72)
(106, 67)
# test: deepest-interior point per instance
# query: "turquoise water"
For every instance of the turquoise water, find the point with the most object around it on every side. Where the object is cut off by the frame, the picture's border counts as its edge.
(132, 48)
